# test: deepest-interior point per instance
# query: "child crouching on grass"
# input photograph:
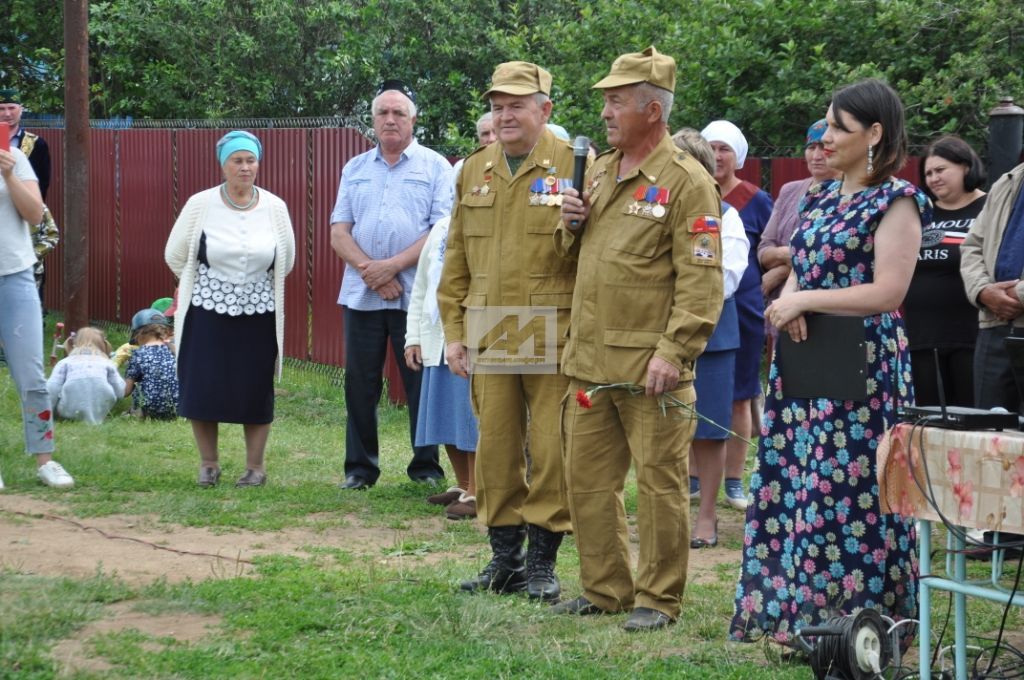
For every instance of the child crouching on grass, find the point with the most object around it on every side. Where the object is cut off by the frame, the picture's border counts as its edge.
(151, 376)
(85, 385)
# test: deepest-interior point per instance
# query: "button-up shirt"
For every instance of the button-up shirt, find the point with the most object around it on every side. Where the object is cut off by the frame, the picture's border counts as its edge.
(390, 207)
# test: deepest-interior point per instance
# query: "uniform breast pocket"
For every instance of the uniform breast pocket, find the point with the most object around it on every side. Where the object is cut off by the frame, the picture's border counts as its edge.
(477, 214)
(638, 236)
(543, 219)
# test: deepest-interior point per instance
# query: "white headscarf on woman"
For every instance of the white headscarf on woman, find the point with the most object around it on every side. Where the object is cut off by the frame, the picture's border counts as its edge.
(725, 132)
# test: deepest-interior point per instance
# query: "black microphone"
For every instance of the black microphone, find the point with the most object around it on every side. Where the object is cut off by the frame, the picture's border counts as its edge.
(580, 150)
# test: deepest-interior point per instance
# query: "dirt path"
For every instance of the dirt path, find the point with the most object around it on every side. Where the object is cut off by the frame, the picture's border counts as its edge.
(51, 547)
(140, 550)
(72, 654)
(38, 544)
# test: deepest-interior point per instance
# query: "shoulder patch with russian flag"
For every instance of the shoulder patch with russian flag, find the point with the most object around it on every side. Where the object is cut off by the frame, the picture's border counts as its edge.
(705, 224)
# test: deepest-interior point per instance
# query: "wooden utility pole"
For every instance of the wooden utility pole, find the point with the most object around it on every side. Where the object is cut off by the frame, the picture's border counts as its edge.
(76, 163)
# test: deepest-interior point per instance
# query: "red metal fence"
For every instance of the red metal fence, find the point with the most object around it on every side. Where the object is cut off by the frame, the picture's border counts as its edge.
(140, 179)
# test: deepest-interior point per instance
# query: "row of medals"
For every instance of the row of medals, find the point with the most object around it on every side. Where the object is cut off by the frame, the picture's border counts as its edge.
(646, 209)
(548, 191)
(649, 201)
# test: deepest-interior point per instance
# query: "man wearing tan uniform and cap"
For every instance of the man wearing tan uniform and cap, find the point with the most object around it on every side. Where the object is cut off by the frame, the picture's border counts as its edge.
(648, 294)
(501, 253)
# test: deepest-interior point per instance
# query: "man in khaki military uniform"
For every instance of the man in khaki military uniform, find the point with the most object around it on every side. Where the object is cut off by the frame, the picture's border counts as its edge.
(501, 253)
(648, 294)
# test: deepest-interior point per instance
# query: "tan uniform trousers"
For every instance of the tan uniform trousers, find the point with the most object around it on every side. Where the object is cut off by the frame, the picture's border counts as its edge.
(599, 443)
(502, 403)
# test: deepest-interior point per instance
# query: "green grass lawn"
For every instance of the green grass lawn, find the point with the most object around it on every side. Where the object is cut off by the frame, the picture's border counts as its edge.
(332, 612)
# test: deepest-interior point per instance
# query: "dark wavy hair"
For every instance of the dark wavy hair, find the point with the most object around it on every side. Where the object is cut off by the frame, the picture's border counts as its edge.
(872, 101)
(955, 150)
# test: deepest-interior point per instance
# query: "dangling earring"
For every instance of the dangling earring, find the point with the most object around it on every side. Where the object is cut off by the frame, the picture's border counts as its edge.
(871, 160)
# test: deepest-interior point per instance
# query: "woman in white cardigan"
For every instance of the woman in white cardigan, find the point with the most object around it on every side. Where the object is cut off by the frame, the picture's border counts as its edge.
(445, 415)
(231, 248)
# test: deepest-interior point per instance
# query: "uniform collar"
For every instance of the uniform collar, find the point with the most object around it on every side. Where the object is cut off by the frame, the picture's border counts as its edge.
(652, 166)
(542, 155)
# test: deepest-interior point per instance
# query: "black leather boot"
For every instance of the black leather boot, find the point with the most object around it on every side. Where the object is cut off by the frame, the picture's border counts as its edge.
(506, 572)
(541, 581)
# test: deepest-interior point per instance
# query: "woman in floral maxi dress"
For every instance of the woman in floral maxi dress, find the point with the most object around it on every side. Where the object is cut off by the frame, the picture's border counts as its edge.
(816, 543)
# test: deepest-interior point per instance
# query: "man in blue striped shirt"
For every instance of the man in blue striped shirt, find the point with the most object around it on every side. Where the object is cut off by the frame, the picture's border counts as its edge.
(388, 200)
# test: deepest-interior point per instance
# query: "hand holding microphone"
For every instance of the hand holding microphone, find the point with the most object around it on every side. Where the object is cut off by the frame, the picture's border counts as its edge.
(575, 207)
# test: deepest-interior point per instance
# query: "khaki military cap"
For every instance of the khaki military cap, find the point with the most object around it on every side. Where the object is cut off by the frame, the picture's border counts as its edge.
(519, 78)
(641, 67)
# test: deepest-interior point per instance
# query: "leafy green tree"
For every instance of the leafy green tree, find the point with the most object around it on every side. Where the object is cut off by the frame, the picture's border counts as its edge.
(31, 52)
(768, 65)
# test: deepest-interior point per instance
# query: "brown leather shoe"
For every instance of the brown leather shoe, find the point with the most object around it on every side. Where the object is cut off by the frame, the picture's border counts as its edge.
(252, 478)
(464, 508)
(446, 497)
(208, 476)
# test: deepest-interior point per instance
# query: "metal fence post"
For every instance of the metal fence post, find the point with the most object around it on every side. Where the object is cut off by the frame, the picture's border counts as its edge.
(1005, 129)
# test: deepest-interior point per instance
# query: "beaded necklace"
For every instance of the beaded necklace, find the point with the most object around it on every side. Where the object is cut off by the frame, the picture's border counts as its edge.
(251, 203)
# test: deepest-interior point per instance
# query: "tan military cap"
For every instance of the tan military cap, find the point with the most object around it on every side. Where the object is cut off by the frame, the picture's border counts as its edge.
(641, 67)
(519, 78)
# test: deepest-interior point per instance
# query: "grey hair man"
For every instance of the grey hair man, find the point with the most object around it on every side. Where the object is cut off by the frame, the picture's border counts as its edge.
(388, 200)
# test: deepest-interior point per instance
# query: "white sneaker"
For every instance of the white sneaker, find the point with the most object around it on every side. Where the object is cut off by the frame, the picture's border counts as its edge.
(53, 474)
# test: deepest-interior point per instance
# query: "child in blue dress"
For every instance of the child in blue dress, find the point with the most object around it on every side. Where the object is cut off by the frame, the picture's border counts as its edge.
(151, 377)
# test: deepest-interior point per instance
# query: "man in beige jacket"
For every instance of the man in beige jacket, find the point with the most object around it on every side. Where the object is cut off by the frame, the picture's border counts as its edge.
(501, 254)
(992, 279)
(648, 294)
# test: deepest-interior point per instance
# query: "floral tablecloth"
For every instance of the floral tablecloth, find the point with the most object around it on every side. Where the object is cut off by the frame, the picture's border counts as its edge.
(977, 478)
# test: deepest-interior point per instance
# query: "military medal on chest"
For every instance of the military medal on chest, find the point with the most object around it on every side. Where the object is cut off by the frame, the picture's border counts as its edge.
(595, 181)
(485, 188)
(551, 190)
(660, 201)
(536, 191)
(547, 191)
(634, 208)
(649, 201)
(647, 208)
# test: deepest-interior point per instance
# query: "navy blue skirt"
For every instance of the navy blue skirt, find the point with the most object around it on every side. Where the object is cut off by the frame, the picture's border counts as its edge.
(226, 367)
(714, 393)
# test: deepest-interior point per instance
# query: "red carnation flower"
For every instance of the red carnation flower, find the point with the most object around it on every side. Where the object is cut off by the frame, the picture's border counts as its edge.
(583, 399)
(44, 415)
